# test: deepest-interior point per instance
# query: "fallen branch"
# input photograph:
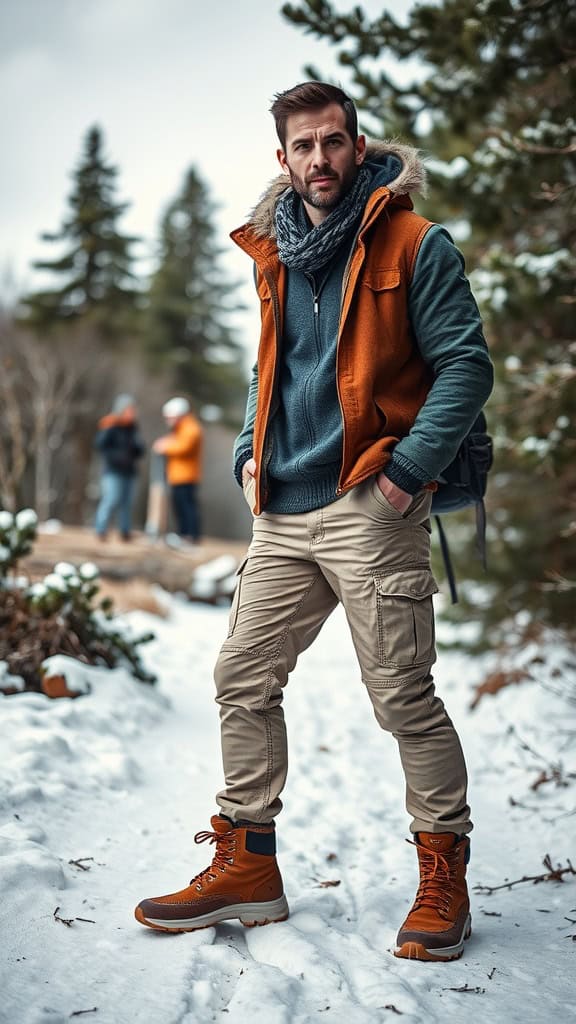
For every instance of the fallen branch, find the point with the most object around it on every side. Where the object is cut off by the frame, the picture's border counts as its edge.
(466, 988)
(551, 875)
(554, 774)
(68, 921)
(496, 681)
(80, 864)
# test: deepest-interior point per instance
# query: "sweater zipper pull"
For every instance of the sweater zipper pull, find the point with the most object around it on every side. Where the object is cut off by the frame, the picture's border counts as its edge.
(315, 305)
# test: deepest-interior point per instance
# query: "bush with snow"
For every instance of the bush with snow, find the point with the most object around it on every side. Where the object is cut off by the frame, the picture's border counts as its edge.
(59, 615)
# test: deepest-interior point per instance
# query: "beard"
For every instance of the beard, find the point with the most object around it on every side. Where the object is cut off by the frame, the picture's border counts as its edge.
(322, 200)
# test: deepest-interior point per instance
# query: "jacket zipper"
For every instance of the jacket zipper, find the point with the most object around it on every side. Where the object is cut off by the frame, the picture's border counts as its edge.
(316, 290)
(345, 282)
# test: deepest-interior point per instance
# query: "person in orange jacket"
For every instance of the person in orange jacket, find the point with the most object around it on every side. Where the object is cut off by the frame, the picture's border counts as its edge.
(183, 450)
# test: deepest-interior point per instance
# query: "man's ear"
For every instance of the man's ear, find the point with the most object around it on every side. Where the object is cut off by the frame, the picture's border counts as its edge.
(281, 157)
(360, 150)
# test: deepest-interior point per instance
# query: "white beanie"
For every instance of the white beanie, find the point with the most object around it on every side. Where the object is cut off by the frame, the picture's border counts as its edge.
(176, 407)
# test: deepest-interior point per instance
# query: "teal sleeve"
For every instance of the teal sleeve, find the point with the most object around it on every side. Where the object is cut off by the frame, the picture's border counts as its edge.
(243, 449)
(447, 329)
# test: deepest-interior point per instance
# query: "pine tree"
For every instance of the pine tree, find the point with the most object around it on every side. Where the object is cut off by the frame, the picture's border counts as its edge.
(94, 276)
(494, 103)
(190, 302)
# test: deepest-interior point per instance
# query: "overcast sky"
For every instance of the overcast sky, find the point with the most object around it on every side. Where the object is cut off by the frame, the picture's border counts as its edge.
(171, 82)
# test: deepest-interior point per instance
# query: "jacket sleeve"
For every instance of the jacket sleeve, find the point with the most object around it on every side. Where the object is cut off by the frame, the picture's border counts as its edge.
(102, 440)
(243, 448)
(185, 441)
(138, 446)
(447, 328)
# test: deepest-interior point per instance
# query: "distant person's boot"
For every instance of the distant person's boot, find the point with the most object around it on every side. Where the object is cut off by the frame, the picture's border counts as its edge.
(439, 920)
(242, 883)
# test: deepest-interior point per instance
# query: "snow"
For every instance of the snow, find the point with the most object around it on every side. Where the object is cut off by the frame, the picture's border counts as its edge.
(8, 680)
(56, 582)
(51, 526)
(89, 571)
(100, 798)
(65, 569)
(76, 673)
(26, 519)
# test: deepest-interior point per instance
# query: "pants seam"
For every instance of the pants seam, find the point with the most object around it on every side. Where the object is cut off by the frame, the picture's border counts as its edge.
(268, 683)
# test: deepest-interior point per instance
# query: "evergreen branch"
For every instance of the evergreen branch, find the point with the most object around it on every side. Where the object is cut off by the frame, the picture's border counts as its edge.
(529, 147)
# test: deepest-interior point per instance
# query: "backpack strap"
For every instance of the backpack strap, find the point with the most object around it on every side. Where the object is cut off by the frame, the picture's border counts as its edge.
(481, 533)
(480, 545)
(447, 560)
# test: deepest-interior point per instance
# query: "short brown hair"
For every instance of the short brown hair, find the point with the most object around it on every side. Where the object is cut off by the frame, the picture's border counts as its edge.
(312, 94)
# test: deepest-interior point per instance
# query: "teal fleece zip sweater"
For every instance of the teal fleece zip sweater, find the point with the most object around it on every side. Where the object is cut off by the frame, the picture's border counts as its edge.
(305, 434)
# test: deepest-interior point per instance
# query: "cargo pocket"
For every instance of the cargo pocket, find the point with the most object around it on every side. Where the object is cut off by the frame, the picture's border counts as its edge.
(236, 599)
(405, 616)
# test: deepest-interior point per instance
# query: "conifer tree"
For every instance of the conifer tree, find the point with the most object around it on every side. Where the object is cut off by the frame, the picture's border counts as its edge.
(93, 275)
(493, 103)
(190, 302)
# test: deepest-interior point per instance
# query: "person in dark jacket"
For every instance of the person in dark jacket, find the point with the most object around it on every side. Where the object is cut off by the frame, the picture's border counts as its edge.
(119, 442)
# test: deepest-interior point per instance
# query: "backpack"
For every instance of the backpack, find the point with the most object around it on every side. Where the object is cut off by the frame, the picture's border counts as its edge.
(462, 483)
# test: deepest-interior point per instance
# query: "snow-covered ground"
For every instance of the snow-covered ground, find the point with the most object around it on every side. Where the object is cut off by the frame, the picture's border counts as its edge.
(100, 798)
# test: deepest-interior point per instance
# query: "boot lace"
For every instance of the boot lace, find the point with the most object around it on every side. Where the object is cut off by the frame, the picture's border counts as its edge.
(437, 880)
(223, 856)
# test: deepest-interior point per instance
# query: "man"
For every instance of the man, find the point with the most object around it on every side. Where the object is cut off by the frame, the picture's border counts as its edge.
(183, 450)
(119, 442)
(371, 369)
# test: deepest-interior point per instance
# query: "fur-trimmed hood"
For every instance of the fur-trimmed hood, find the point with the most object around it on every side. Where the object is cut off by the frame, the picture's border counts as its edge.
(392, 163)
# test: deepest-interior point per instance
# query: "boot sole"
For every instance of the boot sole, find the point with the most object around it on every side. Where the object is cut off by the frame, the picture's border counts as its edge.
(249, 914)
(418, 951)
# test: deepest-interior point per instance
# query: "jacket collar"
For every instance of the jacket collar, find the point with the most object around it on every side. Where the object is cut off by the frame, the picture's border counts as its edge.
(398, 172)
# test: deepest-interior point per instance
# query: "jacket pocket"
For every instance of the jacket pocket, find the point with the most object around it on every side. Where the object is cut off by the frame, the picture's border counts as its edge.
(405, 616)
(236, 599)
(382, 279)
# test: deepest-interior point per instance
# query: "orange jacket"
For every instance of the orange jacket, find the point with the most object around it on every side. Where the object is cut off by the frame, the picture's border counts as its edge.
(183, 450)
(374, 308)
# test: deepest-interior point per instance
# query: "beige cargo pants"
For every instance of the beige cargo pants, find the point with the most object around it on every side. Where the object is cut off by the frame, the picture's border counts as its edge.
(362, 552)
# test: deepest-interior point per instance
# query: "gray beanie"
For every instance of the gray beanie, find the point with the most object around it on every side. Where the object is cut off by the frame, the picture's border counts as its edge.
(121, 403)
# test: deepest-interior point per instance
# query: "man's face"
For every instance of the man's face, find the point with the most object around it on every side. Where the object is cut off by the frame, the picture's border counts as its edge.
(321, 158)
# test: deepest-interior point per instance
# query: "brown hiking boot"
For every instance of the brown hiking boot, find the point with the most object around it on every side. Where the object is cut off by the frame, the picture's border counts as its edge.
(439, 920)
(243, 881)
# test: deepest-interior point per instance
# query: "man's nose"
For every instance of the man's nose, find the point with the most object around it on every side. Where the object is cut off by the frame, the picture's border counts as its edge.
(319, 157)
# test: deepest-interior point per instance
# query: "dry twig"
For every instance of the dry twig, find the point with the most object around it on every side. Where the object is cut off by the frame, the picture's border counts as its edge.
(551, 875)
(466, 988)
(80, 863)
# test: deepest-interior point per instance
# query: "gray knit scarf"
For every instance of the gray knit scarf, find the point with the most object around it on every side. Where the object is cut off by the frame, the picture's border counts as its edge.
(308, 250)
